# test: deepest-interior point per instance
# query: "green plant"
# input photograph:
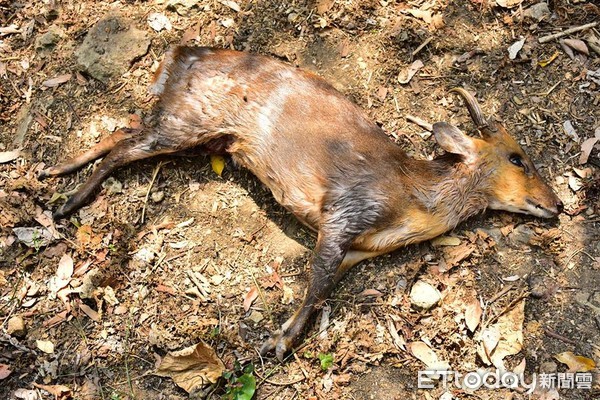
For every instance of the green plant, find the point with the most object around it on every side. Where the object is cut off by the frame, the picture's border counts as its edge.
(326, 360)
(241, 383)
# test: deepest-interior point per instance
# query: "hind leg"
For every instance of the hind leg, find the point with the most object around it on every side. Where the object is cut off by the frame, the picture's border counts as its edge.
(99, 150)
(124, 152)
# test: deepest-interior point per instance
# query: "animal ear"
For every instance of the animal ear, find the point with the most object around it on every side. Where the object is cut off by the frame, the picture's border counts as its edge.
(454, 141)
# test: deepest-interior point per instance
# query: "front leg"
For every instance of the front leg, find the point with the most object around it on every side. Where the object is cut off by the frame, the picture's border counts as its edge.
(327, 269)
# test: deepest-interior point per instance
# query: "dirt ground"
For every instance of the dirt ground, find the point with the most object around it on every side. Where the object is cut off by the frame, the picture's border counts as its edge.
(166, 255)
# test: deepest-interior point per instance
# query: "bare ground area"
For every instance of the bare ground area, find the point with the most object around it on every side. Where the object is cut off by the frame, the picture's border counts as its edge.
(170, 254)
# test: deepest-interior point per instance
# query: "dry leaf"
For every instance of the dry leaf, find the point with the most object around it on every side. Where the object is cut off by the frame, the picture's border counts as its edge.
(7, 156)
(90, 312)
(324, 5)
(473, 314)
(250, 297)
(408, 74)
(192, 367)
(454, 255)
(577, 45)
(64, 272)
(217, 163)
(4, 371)
(508, 3)
(231, 4)
(58, 391)
(26, 394)
(421, 14)
(59, 80)
(510, 326)
(426, 355)
(576, 363)
(586, 149)
(546, 62)
(370, 293)
(489, 341)
(45, 345)
(399, 341)
(446, 241)
(514, 49)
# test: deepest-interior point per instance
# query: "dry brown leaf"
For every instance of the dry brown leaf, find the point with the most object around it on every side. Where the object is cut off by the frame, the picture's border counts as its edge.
(489, 341)
(510, 326)
(90, 312)
(577, 45)
(250, 297)
(59, 392)
(8, 156)
(57, 319)
(421, 14)
(473, 314)
(4, 371)
(59, 80)
(192, 367)
(370, 293)
(508, 3)
(324, 5)
(576, 363)
(586, 149)
(454, 255)
(45, 345)
(231, 4)
(64, 272)
(425, 354)
(399, 341)
(405, 76)
(446, 241)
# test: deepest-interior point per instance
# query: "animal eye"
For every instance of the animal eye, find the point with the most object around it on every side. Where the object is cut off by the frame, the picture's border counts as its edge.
(517, 160)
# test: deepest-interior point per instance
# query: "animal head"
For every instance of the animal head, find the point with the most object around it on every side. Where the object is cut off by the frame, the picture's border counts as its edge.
(512, 182)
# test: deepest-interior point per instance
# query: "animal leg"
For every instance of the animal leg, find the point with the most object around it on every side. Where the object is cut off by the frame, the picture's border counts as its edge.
(97, 151)
(124, 152)
(326, 271)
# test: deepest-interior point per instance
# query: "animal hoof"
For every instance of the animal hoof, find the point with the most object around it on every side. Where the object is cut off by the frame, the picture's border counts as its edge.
(59, 214)
(280, 342)
(43, 175)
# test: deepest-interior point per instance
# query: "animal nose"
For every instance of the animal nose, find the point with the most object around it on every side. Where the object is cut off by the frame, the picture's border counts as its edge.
(560, 206)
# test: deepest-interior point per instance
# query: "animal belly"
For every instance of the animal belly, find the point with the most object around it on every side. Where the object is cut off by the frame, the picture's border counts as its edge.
(298, 194)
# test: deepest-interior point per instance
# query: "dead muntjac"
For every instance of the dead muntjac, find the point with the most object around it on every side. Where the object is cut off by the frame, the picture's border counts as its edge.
(323, 160)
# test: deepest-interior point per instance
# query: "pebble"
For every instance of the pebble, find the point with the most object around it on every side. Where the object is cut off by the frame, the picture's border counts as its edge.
(157, 197)
(424, 295)
(16, 327)
(521, 234)
(537, 11)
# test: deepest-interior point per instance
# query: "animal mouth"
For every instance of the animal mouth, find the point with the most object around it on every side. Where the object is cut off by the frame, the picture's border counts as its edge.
(538, 209)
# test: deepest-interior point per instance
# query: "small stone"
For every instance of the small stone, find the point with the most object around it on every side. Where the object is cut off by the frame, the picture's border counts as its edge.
(216, 279)
(424, 295)
(255, 316)
(112, 186)
(548, 367)
(16, 327)
(157, 197)
(537, 11)
(48, 40)
(521, 234)
(537, 286)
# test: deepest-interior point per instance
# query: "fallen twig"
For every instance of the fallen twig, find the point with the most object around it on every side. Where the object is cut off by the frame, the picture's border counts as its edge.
(548, 38)
(154, 175)
(422, 123)
(422, 45)
(555, 335)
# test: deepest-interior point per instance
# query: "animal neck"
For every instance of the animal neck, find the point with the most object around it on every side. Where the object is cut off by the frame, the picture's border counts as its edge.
(455, 191)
